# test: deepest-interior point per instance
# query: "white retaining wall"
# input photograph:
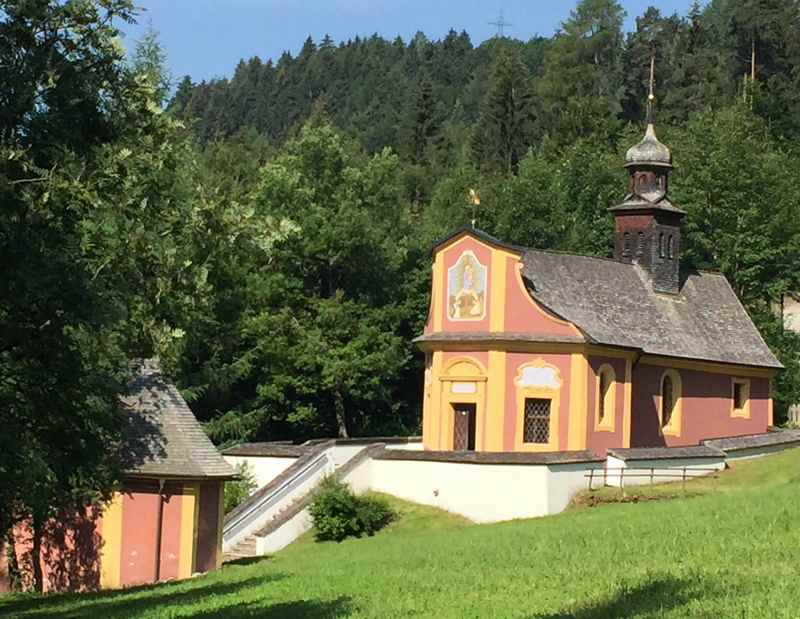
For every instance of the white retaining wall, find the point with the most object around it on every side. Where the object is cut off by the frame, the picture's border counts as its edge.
(480, 492)
(264, 468)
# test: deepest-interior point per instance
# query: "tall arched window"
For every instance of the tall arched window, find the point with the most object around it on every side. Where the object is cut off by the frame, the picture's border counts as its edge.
(670, 247)
(667, 400)
(606, 379)
(661, 245)
(626, 244)
(640, 244)
(670, 404)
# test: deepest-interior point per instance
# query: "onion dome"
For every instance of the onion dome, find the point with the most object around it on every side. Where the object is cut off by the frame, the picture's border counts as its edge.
(649, 151)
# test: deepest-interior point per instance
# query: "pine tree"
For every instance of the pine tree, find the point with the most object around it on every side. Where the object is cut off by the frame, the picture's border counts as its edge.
(503, 131)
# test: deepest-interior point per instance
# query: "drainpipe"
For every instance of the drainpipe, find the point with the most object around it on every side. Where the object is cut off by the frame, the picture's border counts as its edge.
(160, 523)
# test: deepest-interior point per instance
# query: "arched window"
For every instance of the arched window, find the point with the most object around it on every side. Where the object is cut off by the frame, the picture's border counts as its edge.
(670, 247)
(606, 379)
(626, 244)
(661, 245)
(667, 400)
(670, 405)
(640, 244)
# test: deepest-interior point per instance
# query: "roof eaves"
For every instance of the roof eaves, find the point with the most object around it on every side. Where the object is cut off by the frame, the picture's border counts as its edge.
(481, 236)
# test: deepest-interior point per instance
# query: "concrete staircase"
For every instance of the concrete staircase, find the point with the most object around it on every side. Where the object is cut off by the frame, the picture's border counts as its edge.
(277, 514)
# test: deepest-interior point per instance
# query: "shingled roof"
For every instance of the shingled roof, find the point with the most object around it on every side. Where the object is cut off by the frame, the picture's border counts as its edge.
(613, 303)
(163, 438)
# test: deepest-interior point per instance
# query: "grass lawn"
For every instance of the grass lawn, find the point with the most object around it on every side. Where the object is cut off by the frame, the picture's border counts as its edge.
(731, 549)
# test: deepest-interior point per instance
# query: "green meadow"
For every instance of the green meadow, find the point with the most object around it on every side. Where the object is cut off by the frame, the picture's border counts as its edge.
(728, 547)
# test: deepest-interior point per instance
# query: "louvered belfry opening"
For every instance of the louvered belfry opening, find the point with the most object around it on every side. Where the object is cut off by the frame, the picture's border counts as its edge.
(536, 428)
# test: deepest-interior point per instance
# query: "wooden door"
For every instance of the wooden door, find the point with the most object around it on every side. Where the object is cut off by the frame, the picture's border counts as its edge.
(463, 427)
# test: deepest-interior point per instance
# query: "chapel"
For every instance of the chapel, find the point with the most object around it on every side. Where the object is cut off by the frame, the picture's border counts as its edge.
(537, 351)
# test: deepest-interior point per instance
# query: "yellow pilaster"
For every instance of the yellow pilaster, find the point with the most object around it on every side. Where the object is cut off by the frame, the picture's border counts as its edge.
(111, 550)
(434, 412)
(627, 411)
(495, 405)
(578, 406)
(497, 292)
(770, 413)
(437, 294)
(189, 505)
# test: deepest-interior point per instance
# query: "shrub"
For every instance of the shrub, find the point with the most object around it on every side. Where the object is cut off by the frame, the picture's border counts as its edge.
(236, 492)
(338, 513)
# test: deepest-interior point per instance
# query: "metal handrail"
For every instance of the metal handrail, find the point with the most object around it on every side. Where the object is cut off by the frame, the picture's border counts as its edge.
(671, 472)
(246, 518)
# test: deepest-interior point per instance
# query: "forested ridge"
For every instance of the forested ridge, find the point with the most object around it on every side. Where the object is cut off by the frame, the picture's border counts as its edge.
(538, 127)
(267, 236)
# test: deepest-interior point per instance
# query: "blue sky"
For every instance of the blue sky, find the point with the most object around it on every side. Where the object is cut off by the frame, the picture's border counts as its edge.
(206, 38)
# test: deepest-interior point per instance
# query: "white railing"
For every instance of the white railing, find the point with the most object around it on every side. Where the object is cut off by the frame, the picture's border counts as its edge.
(257, 508)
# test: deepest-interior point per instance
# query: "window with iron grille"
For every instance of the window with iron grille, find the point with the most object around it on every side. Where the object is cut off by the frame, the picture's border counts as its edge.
(536, 428)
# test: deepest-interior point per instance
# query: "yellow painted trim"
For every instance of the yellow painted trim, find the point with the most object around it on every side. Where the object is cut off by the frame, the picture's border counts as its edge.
(627, 410)
(676, 421)
(744, 412)
(220, 522)
(547, 393)
(433, 412)
(608, 422)
(469, 370)
(770, 411)
(437, 293)
(188, 517)
(497, 304)
(480, 369)
(111, 551)
(495, 415)
(536, 306)
(707, 366)
(578, 406)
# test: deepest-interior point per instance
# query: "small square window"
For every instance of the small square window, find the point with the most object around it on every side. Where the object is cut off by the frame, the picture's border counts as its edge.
(536, 426)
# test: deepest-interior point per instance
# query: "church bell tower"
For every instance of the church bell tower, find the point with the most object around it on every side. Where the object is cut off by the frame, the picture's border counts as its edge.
(647, 225)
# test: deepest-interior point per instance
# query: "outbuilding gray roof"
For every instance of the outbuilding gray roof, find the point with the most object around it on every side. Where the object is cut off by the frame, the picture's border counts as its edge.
(163, 438)
(613, 303)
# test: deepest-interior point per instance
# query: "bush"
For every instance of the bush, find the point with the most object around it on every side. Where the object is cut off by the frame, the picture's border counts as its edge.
(236, 492)
(338, 513)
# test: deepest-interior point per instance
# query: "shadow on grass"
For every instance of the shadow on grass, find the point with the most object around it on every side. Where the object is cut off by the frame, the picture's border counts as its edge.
(126, 603)
(247, 560)
(655, 596)
(305, 609)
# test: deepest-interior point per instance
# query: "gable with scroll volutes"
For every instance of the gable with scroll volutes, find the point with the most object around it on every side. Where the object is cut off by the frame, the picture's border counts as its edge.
(478, 287)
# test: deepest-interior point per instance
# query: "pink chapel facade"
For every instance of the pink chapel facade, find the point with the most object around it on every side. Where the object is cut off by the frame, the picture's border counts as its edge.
(534, 351)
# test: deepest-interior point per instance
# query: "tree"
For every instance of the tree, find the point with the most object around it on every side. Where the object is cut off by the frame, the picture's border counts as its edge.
(503, 131)
(580, 91)
(149, 61)
(96, 241)
(322, 324)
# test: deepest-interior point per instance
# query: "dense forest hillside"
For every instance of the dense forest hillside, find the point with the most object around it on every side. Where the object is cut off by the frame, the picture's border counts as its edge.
(366, 150)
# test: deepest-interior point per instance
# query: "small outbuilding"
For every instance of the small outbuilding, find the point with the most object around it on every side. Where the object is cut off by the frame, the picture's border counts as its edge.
(165, 521)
